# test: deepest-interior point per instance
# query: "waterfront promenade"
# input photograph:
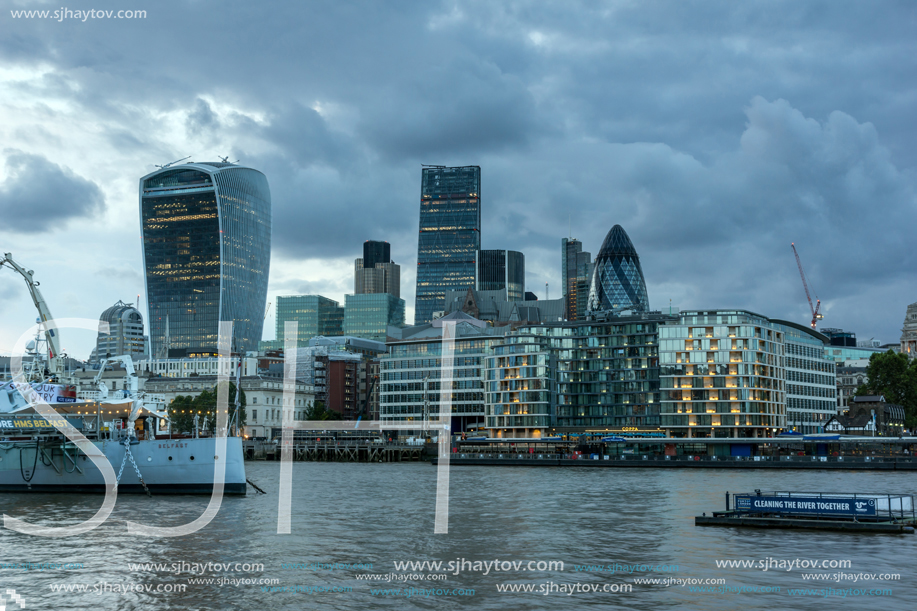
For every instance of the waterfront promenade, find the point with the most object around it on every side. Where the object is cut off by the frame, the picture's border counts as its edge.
(856, 463)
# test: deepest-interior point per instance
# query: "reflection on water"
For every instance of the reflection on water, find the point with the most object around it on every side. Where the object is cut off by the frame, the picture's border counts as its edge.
(382, 513)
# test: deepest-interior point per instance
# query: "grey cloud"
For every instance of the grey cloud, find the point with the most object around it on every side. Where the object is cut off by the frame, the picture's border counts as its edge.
(716, 134)
(460, 107)
(201, 119)
(127, 275)
(38, 195)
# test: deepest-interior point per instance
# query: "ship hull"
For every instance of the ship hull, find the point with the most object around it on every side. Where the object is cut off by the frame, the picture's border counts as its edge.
(168, 466)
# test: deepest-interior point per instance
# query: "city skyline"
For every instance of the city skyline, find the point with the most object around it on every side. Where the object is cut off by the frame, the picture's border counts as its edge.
(575, 134)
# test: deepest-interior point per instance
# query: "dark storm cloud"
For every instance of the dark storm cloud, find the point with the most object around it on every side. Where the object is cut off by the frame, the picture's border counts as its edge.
(715, 133)
(38, 195)
(719, 235)
(461, 107)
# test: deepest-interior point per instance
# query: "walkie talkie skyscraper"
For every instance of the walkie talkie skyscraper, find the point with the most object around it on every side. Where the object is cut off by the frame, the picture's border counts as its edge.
(206, 256)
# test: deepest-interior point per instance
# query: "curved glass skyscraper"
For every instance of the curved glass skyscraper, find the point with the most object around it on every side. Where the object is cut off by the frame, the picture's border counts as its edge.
(617, 281)
(206, 255)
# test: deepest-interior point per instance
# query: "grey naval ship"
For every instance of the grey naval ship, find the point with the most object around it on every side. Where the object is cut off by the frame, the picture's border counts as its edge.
(129, 427)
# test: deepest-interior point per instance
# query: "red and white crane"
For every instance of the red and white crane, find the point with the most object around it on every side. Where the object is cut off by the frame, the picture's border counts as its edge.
(816, 315)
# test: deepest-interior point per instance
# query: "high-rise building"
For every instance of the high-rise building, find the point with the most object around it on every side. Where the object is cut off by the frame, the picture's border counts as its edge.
(450, 235)
(576, 272)
(617, 283)
(376, 272)
(375, 251)
(369, 316)
(206, 256)
(315, 314)
(125, 333)
(502, 269)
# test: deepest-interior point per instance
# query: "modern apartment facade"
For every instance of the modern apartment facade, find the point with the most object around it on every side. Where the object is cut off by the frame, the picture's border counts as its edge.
(811, 378)
(723, 374)
(576, 377)
(206, 255)
(449, 236)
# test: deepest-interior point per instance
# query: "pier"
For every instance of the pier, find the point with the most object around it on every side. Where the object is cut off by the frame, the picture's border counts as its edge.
(849, 463)
(360, 450)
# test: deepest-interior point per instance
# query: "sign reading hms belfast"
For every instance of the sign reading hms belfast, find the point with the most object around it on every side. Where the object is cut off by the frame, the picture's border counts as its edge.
(835, 506)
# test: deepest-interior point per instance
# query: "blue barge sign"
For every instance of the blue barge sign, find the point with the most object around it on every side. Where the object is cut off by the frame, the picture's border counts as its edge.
(834, 506)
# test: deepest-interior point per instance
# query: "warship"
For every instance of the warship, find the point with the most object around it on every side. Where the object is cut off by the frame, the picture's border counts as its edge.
(129, 427)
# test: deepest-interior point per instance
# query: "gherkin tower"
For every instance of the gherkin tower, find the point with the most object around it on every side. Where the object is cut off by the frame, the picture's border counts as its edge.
(617, 280)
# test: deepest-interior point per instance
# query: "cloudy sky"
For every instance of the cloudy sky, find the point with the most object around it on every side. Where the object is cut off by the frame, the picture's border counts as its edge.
(715, 133)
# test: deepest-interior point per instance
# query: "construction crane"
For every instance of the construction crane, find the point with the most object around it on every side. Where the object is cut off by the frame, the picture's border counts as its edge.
(816, 315)
(54, 352)
(267, 310)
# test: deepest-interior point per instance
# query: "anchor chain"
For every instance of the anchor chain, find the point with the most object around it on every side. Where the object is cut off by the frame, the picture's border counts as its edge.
(127, 454)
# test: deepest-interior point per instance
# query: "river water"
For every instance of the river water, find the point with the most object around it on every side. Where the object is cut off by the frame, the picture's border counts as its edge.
(377, 514)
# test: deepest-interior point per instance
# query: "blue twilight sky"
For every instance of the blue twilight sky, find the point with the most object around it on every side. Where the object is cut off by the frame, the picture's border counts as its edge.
(715, 133)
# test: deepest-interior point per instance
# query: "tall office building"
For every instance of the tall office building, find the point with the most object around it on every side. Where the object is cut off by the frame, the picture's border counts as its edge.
(125, 333)
(206, 255)
(450, 235)
(576, 274)
(376, 272)
(617, 284)
(375, 251)
(315, 314)
(502, 269)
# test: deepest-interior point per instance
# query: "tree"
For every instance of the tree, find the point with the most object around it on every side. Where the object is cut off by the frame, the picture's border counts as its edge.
(318, 411)
(894, 376)
(183, 409)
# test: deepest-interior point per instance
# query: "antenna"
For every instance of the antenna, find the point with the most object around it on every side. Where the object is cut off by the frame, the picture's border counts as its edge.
(545, 291)
(426, 165)
(163, 167)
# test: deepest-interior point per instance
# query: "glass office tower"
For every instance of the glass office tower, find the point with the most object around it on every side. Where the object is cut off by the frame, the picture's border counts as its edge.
(370, 315)
(502, 269)
(450, 235)
(315, 314)
(617, 282)
(206, 256)
(576, 273)
(375, 251)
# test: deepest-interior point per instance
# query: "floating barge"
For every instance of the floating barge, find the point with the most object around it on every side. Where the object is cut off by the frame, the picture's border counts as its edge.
(879, 513)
